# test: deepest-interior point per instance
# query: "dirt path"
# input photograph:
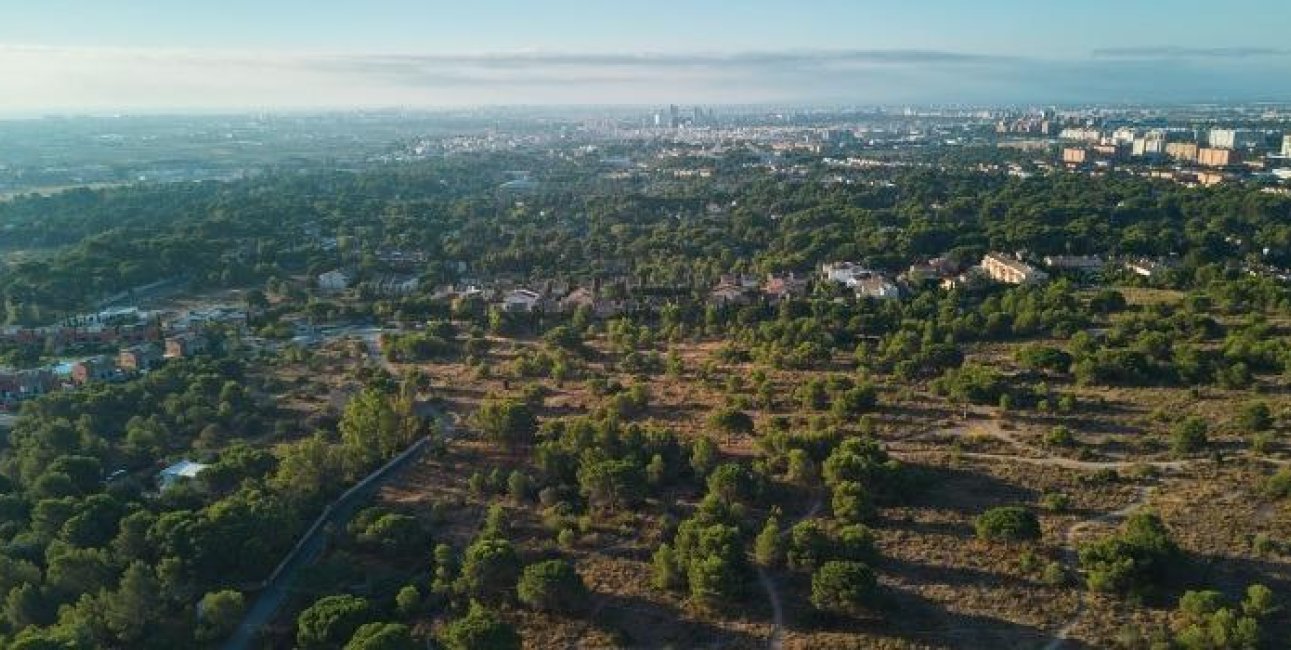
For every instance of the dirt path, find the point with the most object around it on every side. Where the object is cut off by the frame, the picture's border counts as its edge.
(1071, 557)
(768, 583)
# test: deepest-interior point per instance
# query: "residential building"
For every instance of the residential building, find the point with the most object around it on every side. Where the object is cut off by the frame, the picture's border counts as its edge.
(521, 300)
(779, 287)
(1182, 151)
(395, 285)
(1080, 134)
(1213, 157)
(335, 280)
(17, 385)
(1075, 155)
(875, 286)
(1286, 146)
(185, 345)
(139, 358)
(1002, 268)
(1079, 263)
(937, 268)
(1233, 138)
(842, 272)
(100, 368)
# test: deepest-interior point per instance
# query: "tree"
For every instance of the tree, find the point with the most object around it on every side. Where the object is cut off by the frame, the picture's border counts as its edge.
(703, 455)
(218, 614)
(667, 570)
(1255, 417)
(808, 545)
(842, 587)
(506, 421)
(1189, 436)
(480, 629)
(852, 502)
(611, 484)
(768, 548)
(1134, 560)
(408, 601)
(731, 421)
(855, 401)
(1007, 523)
(489, 570)
(330, 621)
(731, 482)
(552, 585)
(131, 610)
(382, 636)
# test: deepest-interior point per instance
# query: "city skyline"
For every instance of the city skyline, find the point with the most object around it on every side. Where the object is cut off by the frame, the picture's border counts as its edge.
(72, 55)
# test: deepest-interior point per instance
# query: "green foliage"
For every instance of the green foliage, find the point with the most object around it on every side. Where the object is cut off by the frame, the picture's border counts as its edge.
(408, 601)
(1059, 436)
(768, 547)
(506, 421)
(552, 585)
(611, 484)
(731, 421)
(1189, 436)
(382, 636)
(1255, 417)
(331, 621)
(1007, 523)
(845, 588)
(480, 629)
(219, 614)
(489, 570)
(852, 502)
(1136, 560)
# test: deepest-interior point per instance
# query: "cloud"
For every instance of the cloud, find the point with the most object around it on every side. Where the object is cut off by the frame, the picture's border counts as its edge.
(60, 79)
(1168, 52)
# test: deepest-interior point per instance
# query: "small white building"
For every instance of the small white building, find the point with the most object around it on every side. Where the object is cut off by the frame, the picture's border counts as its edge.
(844, 272)
(181, 471)
(875, 286)
(336, 280)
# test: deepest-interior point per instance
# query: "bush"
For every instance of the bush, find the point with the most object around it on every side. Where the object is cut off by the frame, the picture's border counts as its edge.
(843, 587)
(382, 636)
(1255, 417)
(1133, 561)
(1189, 436)
(489, 570)
(1278, 486)
(552, 585)
(1008, 523)
(1059, 436)
(331, 621)
(480, 629)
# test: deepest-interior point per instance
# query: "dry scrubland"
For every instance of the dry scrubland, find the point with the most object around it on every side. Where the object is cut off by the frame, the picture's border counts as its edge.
(946, 587)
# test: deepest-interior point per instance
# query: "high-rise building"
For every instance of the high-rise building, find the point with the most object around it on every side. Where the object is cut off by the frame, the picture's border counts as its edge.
(1232, 138)
(1286, 146)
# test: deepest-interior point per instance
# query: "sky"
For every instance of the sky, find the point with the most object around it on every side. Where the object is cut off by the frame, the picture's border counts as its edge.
(178, 55)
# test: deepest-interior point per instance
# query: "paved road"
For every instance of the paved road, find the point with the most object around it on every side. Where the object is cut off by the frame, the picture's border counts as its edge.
(271, 599)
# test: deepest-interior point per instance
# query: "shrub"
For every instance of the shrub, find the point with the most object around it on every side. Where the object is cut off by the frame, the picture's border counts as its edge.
(1007, 523)
(330, 621)
(1189, 436)
(1132, 561)
(1059, 436)
(552, 585)
(844, 588)
(480, 629)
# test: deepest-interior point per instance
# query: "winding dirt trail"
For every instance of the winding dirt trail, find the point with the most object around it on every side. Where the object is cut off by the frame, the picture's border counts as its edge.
(773, 593)
(1071, 558)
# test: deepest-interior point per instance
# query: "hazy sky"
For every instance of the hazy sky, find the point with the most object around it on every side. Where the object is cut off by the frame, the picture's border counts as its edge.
(97, 55)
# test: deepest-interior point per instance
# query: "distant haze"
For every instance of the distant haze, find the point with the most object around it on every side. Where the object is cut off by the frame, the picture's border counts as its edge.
(82, 56)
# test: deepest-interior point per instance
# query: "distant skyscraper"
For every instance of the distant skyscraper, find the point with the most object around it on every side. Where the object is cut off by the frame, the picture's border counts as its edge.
(1286, 146)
